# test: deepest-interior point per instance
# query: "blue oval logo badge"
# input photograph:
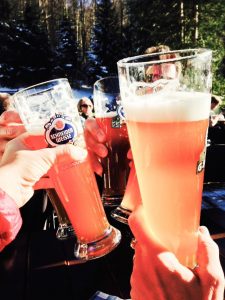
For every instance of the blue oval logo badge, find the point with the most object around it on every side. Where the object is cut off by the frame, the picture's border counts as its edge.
(60, 130)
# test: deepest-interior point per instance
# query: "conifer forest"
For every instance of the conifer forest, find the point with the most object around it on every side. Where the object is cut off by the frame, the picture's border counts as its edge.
(83, 39)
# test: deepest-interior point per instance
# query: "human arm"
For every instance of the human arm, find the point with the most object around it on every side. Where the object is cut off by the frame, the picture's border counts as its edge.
(157, 274)
(10, 219)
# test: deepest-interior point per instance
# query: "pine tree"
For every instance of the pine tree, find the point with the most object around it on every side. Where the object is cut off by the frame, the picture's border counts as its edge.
(25, 54)
(212, 36)
(5, 9)
(66, 50)
(34, 56)
(105, 47)
(150, 23)
(7, 37)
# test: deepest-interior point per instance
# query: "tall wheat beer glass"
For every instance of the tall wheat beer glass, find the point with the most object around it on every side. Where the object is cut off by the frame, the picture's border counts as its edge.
(110, 117)
(166, 98)
(49, 114)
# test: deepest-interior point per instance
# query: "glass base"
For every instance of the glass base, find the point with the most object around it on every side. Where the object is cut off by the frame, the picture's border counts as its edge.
(99, 248)
(121, 214)
(111, 200)
(65, 232)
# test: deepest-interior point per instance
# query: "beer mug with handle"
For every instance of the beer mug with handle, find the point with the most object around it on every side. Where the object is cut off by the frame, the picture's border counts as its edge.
(65, 229)
(49, 113)
(110, 117)
(166, 98)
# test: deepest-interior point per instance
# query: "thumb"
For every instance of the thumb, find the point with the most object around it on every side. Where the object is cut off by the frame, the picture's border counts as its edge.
(135, 222)
(140, 230)
(208, 251)
(209, 271)
(152, 248)
(63, 154)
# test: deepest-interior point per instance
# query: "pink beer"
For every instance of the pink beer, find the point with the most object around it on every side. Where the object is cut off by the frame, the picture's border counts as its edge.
(168, 146)
(110, 117)
(49, 114)
(115, 165)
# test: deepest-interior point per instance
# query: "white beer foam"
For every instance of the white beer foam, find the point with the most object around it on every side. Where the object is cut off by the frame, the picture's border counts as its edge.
(168, 107)
(110, 114)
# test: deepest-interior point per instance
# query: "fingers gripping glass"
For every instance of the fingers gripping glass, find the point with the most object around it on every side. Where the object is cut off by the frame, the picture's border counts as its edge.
(49, 113)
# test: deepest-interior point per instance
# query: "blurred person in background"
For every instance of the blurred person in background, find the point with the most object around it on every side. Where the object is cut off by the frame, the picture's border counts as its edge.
(216, 130)
(85, 108)
(167, 70)
(156, 49)
(214, 115)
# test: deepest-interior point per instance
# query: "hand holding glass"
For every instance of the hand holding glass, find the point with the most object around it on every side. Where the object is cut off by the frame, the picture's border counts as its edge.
(50, 115)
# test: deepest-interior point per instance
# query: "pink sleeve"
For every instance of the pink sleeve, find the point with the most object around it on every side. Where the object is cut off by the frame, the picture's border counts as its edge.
(10, 219)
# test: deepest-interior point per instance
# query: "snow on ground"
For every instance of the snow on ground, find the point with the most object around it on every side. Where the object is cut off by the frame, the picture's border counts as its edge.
(82, 92)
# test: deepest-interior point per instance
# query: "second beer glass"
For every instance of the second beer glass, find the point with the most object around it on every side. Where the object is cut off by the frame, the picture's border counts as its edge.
(110, 117)
(48, 111)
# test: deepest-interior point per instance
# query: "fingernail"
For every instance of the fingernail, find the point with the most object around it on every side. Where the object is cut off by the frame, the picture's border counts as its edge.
(99, 172)
(204, 230)
(8, 132)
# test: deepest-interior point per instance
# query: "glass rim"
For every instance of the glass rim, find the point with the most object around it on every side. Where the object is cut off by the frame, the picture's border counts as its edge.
(130, 61)
(39, 84)
(102, 81)
(107, 77)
